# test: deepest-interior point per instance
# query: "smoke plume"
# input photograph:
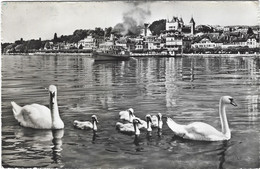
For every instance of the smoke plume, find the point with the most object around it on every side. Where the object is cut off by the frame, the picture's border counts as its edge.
(133, 21)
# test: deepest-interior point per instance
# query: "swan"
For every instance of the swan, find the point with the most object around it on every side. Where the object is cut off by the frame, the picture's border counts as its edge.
(149, 124)
(127, 115)
(202, 131)
(157, 122)
(38, 116)
(87, 125)
(129, 128)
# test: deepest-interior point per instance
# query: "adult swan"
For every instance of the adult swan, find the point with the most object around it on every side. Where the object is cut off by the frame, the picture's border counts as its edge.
(39, 116)
(202, 131)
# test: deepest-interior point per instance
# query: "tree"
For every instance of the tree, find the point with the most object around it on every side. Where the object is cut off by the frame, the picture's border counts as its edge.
(34, 44)
(3, 46)
(250, 31)
(18, 42)
(108, 31)
(81, 33)
(75, 39)
(204, 29)
(157, 26)
(20, 48)
(99, 32)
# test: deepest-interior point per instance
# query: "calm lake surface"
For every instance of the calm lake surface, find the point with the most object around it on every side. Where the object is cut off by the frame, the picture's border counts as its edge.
(187, 89)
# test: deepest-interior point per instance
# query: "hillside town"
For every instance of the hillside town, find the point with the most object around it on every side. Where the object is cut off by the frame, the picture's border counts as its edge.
(164, 36)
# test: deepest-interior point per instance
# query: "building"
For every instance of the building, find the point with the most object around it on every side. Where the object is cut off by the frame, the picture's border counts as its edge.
(145, 32)
(192, 26)
(174, 42)
(70, 46)
(252, 43)
(88, 43)
(154, 43)
(205, 43)
(122, 42)
(243, 42)
(174, 24)
(177, 24)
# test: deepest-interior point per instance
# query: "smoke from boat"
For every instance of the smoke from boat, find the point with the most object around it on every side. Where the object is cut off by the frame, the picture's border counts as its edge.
(133, 21)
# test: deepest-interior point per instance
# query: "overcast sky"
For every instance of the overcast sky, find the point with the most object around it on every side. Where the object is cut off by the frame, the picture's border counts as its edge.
(32, 20)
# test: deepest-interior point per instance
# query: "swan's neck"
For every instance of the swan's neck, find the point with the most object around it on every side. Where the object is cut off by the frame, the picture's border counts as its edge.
(223, 120)
(94, 125)
(131, 118)
(160, 124)
(149, 127)
(137, 131)
(54, 109)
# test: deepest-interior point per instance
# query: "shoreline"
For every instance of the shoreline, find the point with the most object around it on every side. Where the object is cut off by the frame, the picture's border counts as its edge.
(50, 54)
(223, 55)
(178, 55)
(62, 54)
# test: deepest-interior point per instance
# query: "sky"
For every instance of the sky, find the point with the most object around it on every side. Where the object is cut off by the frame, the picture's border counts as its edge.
(34, 20)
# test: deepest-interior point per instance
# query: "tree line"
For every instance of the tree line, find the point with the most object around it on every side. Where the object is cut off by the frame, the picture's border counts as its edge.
(36, 44)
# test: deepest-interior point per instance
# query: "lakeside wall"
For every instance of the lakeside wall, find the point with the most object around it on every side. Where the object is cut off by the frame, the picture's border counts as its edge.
(223, 55)
(178, 55)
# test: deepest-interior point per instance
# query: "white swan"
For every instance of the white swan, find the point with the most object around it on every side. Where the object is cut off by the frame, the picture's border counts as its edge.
(149, 124)
(127, 115)
(86, 125)
(157, 121)
(129, 128)
(203, 131)
(39, 116)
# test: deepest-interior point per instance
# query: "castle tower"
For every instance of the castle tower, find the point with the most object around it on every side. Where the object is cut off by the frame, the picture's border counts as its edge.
(145, 28)
(192, 26)
(181, 22)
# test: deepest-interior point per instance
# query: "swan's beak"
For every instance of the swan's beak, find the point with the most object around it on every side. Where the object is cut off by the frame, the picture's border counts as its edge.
(136, 121)
(233, 103)
(97, 121)
(52, 95)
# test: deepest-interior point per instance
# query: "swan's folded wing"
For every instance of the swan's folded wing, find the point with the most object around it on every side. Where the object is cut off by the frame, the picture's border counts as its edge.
(127, 128)
(84, 125)
(203, 131)
(121, 113)
(124, 115)
(36, 116)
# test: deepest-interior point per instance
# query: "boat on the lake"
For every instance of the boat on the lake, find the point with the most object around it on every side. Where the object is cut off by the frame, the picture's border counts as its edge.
(110, 52)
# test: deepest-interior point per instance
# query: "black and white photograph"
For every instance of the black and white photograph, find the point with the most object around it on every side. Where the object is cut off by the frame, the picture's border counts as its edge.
(130, 84)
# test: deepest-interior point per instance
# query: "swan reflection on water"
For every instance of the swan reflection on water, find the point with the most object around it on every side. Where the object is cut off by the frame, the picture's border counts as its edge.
(215, 151)
(222, 153)
(57, 143)
(43, 141)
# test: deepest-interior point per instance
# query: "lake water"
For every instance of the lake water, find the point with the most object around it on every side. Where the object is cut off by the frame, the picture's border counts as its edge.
(187, 89)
